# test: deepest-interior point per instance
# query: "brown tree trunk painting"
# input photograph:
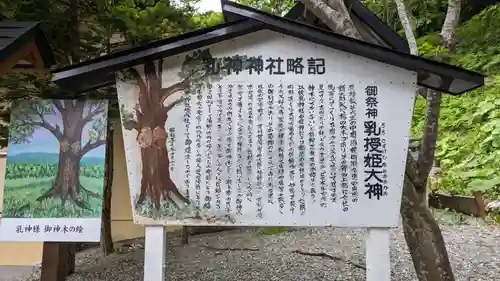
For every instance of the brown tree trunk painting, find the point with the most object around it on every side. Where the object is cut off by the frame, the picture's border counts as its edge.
(152, 115)
(67, 182)
(74, 116)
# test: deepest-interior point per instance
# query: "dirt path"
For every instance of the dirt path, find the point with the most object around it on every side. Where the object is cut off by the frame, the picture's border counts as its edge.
(8, 272)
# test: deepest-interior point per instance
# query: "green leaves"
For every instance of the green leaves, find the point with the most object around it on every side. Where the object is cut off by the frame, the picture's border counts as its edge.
(98, 129)
(207, 19)
(277, 7)
(428, 15)
(482, 185)
(26, 116)
(142, 23)
(469, 140)
(478, 47)
(89, 29)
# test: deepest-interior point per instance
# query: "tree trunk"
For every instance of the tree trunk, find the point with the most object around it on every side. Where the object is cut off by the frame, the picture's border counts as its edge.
(424, 238)
(422, 233)
(335, 15)
(67, 181)
(106, 238)
(156, 183)
(74, 27)
(407, 26)
(450, 24)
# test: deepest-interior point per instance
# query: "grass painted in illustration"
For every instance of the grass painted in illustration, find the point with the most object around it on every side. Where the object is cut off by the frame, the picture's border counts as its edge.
(148, 209)
(20, 193)
(55, 160)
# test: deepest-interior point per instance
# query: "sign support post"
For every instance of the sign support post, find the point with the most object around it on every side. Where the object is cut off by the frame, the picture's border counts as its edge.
(58, 261)
(155, 246)
(378, 263)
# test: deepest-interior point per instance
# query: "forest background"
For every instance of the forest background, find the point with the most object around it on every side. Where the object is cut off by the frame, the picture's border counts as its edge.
(468, 150)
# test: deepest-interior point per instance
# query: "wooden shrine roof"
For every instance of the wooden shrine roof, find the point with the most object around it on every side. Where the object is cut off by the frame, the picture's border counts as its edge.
(23, 45)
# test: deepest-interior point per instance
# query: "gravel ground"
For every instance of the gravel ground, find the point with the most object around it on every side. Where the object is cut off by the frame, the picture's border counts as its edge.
(474, 250)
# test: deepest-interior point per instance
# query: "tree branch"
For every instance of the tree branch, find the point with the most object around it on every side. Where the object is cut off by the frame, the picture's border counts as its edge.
(411, 168)
(139, 114)
(143, 6)
(230, 249)
(424, 239)
(335, 15)
(89, 111)
(428, 144)
(177, 87)
(59, 106)
(100, 109)
(139, 80)
(172, 105)
(56, 131)
(69, 104)
(75, 36)
(160, 70)
(79, 106)
(334, 258)
(405, 18)
(450, 24)
(418, 170)
(91, 145)
(151, 77)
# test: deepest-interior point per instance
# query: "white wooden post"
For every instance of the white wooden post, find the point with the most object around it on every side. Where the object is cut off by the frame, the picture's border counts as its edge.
(378, 262)
(155, 247)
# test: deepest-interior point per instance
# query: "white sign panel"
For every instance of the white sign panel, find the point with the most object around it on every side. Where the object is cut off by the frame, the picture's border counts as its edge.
(50, 230)
(266, 129)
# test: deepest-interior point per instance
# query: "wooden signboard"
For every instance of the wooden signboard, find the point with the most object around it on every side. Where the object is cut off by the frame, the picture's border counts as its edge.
(248, 132)
(55, 171)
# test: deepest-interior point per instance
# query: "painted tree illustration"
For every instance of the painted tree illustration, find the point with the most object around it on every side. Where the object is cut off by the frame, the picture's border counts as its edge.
(151, 113)
(75, 116)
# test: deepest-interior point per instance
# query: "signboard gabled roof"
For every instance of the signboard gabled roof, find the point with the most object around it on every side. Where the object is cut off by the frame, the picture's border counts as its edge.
(100, 71)
(14, 35)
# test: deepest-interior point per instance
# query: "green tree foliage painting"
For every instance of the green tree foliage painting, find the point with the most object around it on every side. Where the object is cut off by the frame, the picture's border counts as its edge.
(55, 160)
